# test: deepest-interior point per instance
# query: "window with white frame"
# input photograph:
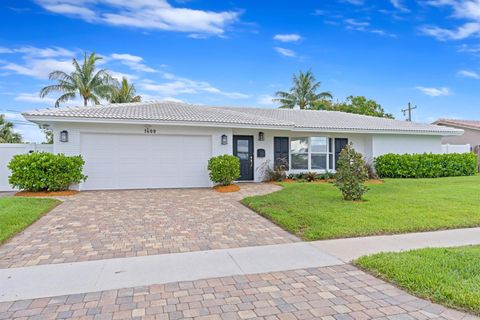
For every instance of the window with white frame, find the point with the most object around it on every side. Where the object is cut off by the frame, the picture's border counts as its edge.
(311, 153)
(299, 153)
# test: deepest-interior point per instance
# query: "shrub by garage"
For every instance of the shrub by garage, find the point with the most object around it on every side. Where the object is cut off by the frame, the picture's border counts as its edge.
(224, 169)
(42, 171)
(426, 165)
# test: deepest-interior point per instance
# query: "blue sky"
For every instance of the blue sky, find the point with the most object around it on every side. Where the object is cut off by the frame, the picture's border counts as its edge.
(240, 52)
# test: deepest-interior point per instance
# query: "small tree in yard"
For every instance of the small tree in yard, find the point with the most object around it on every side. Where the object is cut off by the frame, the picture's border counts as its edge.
(224, 169)
(351, 174)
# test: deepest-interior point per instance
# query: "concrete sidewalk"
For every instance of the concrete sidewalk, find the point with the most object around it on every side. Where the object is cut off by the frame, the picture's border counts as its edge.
(92, 276)
(353, 248)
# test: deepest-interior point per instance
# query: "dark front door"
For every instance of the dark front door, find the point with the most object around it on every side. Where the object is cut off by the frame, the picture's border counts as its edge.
(340, 143)
(243, 149)
(280, 151)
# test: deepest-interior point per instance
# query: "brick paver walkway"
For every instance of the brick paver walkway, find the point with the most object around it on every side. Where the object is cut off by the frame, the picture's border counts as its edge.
(110, 224)
(340, 292)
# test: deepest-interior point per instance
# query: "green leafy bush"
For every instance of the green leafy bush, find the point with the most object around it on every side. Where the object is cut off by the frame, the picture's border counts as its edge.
(351, 174)
(42, 171)
(224, 169)
(426, 165)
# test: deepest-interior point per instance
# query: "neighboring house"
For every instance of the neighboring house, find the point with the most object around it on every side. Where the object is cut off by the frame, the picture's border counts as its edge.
(471, 130)
(168, 144)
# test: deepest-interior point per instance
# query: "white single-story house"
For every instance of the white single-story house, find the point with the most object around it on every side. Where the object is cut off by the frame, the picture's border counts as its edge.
(168, 144)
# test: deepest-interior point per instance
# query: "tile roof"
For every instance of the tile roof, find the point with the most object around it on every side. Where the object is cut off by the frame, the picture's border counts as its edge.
(471, 124)
(176, 112)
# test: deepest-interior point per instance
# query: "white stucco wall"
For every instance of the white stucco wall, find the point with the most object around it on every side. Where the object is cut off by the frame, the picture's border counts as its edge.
(370, 145)
(72, 147)
(401, 144)
(360, 142)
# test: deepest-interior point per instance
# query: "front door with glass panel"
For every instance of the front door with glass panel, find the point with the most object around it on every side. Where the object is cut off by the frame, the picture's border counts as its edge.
(243, 149)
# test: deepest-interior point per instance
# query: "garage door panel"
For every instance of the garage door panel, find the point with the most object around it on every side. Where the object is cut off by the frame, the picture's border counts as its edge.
(117, 161)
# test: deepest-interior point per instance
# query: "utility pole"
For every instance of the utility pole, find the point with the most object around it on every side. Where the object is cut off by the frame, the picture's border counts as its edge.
(409, 110)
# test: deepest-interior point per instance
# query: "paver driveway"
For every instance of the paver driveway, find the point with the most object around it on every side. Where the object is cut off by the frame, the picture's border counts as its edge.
(109, 224)
(340, 292)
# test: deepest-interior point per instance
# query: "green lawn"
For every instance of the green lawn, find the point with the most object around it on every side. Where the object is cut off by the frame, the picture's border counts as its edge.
(17, 213)
(449, 276)
(316, 211)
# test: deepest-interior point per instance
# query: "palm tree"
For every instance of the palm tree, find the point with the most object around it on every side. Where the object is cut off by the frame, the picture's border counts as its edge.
(7, 135)
(90, 84)
(124, 92)
(303, 93)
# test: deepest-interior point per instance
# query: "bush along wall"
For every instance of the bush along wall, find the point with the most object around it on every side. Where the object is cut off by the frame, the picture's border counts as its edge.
(426, 165)
(43, 171)
(224, 169)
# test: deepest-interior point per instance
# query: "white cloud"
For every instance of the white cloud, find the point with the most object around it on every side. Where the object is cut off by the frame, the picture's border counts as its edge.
(149, 97)
(40, 52)
(145, 14)
(467, 10)
(364, 26)
(69, 9)
(38, 62)
(434, 92)
(357, 25)
(462, 32)
(285, 52)
(29, 131)
(11, 116)
(179, 85)
(133, 62)
(34, 98)
(398, 4)
(38, 68)
(469, 49)
(468, 74)
(120, 75)
(266, 99)
(291, 37)
(355, 2)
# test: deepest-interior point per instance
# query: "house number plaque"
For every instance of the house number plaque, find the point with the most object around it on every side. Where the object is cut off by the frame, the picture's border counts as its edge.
(150, 131)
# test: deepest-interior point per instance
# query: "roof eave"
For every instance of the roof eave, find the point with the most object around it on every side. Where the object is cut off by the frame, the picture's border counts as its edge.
(382, 131)
(445, 123)
(51, 119)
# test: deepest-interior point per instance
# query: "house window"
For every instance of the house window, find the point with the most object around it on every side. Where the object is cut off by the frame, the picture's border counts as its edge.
(318, 154)
(312, 153)
(299, 153)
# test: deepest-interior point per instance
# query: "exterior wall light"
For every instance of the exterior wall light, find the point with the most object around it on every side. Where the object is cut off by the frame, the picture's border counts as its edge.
(224, 139)
(64, 136)
(261, 136)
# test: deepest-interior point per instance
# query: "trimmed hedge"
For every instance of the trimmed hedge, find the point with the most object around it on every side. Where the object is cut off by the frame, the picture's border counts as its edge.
(426, 165)
(43, 171)
(224, 169)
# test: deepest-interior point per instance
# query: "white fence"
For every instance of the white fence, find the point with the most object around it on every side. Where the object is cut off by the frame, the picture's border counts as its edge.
(8, 150)
(456, 148)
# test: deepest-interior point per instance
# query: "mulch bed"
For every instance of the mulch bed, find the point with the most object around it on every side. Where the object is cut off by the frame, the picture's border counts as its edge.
(46, 193)
(230, 188)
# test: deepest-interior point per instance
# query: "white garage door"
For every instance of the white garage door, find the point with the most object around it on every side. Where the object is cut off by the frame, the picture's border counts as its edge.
(121, 161)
